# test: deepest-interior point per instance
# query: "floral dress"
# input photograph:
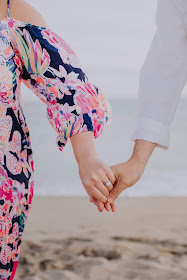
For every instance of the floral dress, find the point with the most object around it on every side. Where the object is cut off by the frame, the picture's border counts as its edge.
(47, 65)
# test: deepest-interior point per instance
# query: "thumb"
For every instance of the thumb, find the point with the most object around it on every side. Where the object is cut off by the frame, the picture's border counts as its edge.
(114, 170)
(115, 192)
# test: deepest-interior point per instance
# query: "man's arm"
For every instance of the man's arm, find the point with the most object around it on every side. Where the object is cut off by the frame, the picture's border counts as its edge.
(142, 152)
(162, 79)
(128, 173)
(163, 75)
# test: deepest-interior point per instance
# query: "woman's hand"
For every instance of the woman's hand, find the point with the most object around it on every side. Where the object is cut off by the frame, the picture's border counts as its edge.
(101, 206)
(126, 174)
(94, 174)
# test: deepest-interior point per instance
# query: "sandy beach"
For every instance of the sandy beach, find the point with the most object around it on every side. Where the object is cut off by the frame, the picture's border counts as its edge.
(68, 238)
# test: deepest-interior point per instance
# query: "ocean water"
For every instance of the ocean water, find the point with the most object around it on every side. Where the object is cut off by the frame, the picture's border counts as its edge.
(56, 172)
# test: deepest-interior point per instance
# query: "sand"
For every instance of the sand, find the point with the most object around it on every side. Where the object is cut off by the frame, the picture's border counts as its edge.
(68, 238)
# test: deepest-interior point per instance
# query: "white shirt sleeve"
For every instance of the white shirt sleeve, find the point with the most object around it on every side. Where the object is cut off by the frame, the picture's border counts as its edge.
(163, 75)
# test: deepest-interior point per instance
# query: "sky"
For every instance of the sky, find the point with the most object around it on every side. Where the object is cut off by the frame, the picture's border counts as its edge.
(111, 39)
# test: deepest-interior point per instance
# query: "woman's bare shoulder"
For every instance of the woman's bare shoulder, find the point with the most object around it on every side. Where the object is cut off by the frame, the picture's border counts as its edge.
(23, 11)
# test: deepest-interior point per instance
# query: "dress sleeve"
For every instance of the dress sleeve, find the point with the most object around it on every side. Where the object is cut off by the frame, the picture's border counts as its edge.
(53, 72)
(162, 76)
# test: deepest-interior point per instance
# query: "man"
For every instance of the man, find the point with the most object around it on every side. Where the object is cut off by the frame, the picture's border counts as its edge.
(162, 79)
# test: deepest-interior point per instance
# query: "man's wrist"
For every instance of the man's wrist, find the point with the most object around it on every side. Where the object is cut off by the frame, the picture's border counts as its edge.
(142, 152)
(138, 162)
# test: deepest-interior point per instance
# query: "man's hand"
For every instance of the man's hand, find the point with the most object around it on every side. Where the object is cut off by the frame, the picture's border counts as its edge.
(101, 206)
(128, 173)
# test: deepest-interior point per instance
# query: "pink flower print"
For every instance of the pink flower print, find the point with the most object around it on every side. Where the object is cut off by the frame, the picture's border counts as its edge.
(66, 112)
(5, 191)
(92, 94)
(15, 144)
(5, 225)
(5, 129)
(31, 163)
(74, 61)
(72, 127)
(59, 115)
(66, 53)
(61, 73)
(39, 88)
(5, 274)
(55, 89)
(18, 191)
(15, 166)
(98, 125)
(14, 235)
(5, 254)
(56, 41)
(71, 82)
(12, 163)
(2, 111)
(76, 126)
(6, 84)
(31, 193)
(5, 47)
(88, 88)
(35, 59)
(83, 104)
(23, 164)
(14, 23)
(17, 61)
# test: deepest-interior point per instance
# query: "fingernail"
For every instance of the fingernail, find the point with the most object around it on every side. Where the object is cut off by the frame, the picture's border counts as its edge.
(110, 199)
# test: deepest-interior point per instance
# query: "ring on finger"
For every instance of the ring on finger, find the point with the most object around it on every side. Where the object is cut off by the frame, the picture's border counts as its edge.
(108, 183)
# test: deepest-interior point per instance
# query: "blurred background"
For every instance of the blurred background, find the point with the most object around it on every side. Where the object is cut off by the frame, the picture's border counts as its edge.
(111, 39)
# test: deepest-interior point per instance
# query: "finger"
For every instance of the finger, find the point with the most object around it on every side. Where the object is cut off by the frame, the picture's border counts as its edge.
(99, 205)
(107, 206)
(115, 192)
(113, 207)
(105, 179)
(102, 188)
(93, 191)
(91, 199)
(111, 176)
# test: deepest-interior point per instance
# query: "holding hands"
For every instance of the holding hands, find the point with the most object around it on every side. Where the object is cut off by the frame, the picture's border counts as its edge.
(126, 174)
(96, 175)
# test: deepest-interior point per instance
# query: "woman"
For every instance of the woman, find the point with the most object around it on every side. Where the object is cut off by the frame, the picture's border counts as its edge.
(31, 52)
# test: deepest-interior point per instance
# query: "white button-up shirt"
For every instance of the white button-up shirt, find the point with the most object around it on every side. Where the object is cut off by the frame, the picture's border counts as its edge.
(163, 75)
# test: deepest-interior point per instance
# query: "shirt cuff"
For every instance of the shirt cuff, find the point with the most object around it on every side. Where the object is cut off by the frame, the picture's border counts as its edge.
(152, 131)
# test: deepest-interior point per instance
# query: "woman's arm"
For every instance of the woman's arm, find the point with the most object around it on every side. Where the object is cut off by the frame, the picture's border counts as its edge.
(93, 172)
(87, 112)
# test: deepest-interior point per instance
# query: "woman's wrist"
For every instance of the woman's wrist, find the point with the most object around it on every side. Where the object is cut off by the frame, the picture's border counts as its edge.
(83, 146)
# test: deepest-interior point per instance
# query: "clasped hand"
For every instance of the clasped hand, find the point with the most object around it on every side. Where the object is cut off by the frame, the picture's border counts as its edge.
(94, 174)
